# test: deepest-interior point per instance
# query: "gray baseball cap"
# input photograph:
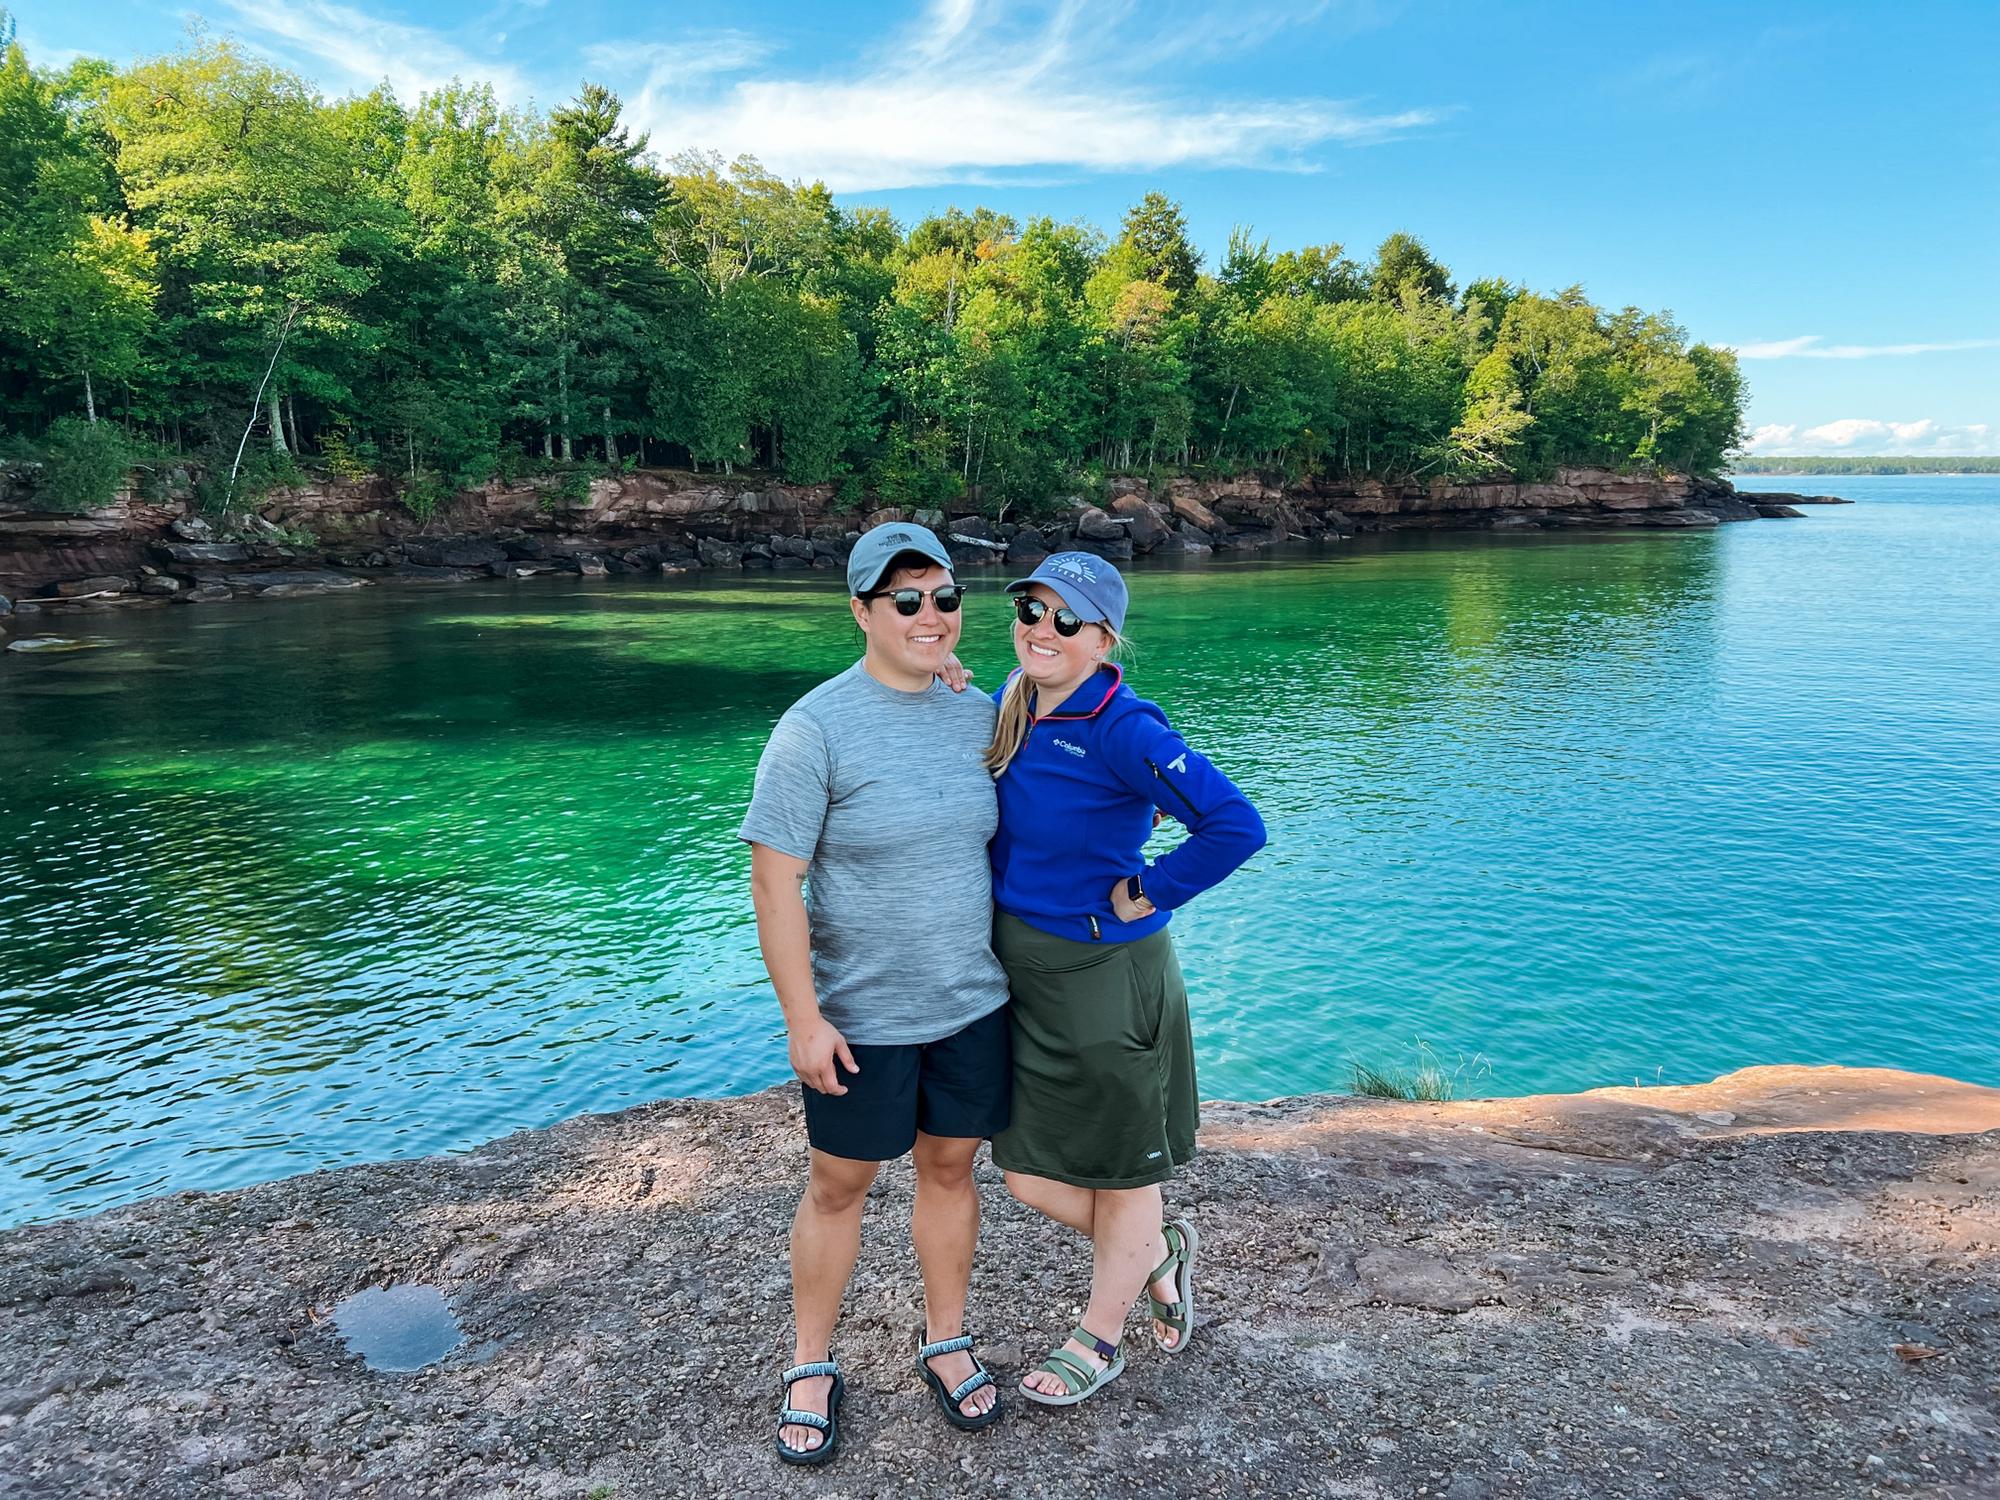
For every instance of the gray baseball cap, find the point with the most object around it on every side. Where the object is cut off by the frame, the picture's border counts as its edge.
(881, 545)
(1085, 582)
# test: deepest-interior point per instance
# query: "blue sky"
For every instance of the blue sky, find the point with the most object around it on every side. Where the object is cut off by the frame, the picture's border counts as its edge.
(1816, 185)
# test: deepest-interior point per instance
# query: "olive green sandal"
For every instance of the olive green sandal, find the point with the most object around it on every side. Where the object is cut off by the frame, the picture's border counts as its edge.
(1182, 1242)
(1080, 1380)
(828, 1424)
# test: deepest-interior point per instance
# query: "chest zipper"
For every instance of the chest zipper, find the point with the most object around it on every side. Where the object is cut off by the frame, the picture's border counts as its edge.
(1161, 777)
(1096, 932)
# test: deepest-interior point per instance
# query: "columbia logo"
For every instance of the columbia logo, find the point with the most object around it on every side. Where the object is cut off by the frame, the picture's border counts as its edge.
(1178, 763)
(1073, 749)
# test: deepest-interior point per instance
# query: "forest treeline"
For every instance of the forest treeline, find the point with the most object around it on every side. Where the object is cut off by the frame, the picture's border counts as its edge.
(1864, 463)
(200, 254)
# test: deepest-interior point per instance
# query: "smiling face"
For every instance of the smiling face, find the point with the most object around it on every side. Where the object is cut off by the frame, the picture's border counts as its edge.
(906, 651)
(1054, 663)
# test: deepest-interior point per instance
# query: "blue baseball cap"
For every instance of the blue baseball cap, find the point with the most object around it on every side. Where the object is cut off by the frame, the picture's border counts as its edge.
(881, 545)
(1086, 583)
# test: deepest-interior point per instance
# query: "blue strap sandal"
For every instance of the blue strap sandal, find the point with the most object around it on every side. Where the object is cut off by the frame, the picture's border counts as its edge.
(828, 1424)
(1081, 1380)
(948, 1400)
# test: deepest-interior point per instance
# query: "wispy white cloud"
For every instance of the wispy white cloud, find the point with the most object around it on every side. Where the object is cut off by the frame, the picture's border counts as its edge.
(338, 46)
(670, 64)
(1811, 346)
(973, 92)
(1866, 435)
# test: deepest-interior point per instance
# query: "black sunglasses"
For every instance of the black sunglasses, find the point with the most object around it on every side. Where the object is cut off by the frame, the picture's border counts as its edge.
(909, 601)
(1029, 611)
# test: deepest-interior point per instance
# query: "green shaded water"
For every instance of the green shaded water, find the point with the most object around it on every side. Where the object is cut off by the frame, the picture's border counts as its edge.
(322, 880)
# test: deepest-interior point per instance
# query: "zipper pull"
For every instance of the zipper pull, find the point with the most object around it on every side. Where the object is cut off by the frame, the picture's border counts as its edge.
(1096, 933)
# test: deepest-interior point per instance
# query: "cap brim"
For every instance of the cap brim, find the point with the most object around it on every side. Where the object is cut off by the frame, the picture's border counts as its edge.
(941, 557)
(1083, 608)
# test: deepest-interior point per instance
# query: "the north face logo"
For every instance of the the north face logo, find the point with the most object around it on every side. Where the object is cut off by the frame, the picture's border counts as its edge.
(898, 536)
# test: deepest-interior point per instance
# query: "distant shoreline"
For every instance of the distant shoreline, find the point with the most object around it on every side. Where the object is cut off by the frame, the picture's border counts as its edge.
(1804, 467)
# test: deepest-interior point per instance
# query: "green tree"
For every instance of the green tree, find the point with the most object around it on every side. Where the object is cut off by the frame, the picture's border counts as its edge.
(1322, 273)
(76, 283)
(263, 218)
(1404, 267)
(1155, 230)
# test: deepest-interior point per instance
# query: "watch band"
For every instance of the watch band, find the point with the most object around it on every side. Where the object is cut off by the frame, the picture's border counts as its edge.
(1135, 892)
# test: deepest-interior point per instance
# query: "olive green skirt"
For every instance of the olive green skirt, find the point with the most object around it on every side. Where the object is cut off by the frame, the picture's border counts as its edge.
(1104, 1090)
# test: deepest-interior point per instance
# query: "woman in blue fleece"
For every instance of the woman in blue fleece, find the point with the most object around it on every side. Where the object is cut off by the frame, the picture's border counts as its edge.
(1104, 1090)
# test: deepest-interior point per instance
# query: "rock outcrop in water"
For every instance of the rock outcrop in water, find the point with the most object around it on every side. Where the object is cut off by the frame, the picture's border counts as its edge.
(671, 521)
(1782, 1283)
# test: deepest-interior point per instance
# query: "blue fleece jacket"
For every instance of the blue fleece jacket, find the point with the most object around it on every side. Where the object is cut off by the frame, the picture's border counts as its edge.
(1076, 809)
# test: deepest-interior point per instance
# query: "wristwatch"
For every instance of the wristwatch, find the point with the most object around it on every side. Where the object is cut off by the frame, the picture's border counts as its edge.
(1136, 894)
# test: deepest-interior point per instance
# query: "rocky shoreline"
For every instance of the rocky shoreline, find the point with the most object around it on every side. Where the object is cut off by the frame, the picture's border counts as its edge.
(1783, 1283)
(342, 534)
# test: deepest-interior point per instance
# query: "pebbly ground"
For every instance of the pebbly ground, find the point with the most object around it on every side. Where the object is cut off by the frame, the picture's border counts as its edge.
(1785, 1283)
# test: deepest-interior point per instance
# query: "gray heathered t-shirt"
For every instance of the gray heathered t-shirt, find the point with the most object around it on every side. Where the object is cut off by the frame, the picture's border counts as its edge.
(884, 793)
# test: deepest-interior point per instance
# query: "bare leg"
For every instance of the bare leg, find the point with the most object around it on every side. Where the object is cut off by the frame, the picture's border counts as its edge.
(1125, 1245)
(826, 1238)
(1064, 1202)
(1077, 1207)
(945, 1228)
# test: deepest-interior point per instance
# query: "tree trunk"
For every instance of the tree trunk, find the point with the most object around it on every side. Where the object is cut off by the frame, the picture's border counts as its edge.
(89, 398)
(548, 445)
(562, 398)
(277, 427)
(610, 441)
(292, 424)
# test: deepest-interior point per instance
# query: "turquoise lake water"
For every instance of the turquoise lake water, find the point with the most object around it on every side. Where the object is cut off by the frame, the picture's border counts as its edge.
(291, 884)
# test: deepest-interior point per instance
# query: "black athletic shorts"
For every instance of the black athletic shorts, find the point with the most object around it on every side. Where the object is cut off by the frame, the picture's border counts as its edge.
(959, 1085)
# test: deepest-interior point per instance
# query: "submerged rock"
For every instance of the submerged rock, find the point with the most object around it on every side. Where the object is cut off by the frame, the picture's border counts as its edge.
(50, 644)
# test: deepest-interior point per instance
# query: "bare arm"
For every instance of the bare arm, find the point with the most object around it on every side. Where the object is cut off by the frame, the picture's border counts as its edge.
(784, 937)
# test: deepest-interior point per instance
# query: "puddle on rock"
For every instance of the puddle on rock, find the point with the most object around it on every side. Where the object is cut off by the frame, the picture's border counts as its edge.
(399, 1328)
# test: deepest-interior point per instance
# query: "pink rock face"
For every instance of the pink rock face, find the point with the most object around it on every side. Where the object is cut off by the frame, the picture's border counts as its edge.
(1149, 520)
(1188, 508)
(619, 510)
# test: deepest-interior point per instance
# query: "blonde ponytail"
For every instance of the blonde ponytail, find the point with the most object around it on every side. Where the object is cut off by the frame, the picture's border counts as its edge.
(1010, 730)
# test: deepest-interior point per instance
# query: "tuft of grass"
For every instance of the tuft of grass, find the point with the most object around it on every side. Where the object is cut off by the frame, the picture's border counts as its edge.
(1429, 1082)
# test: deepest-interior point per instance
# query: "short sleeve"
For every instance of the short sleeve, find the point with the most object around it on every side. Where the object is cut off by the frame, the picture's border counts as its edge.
(789, 800)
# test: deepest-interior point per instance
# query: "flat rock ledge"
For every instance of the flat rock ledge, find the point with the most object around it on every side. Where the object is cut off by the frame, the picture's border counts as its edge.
(1780, 1283)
